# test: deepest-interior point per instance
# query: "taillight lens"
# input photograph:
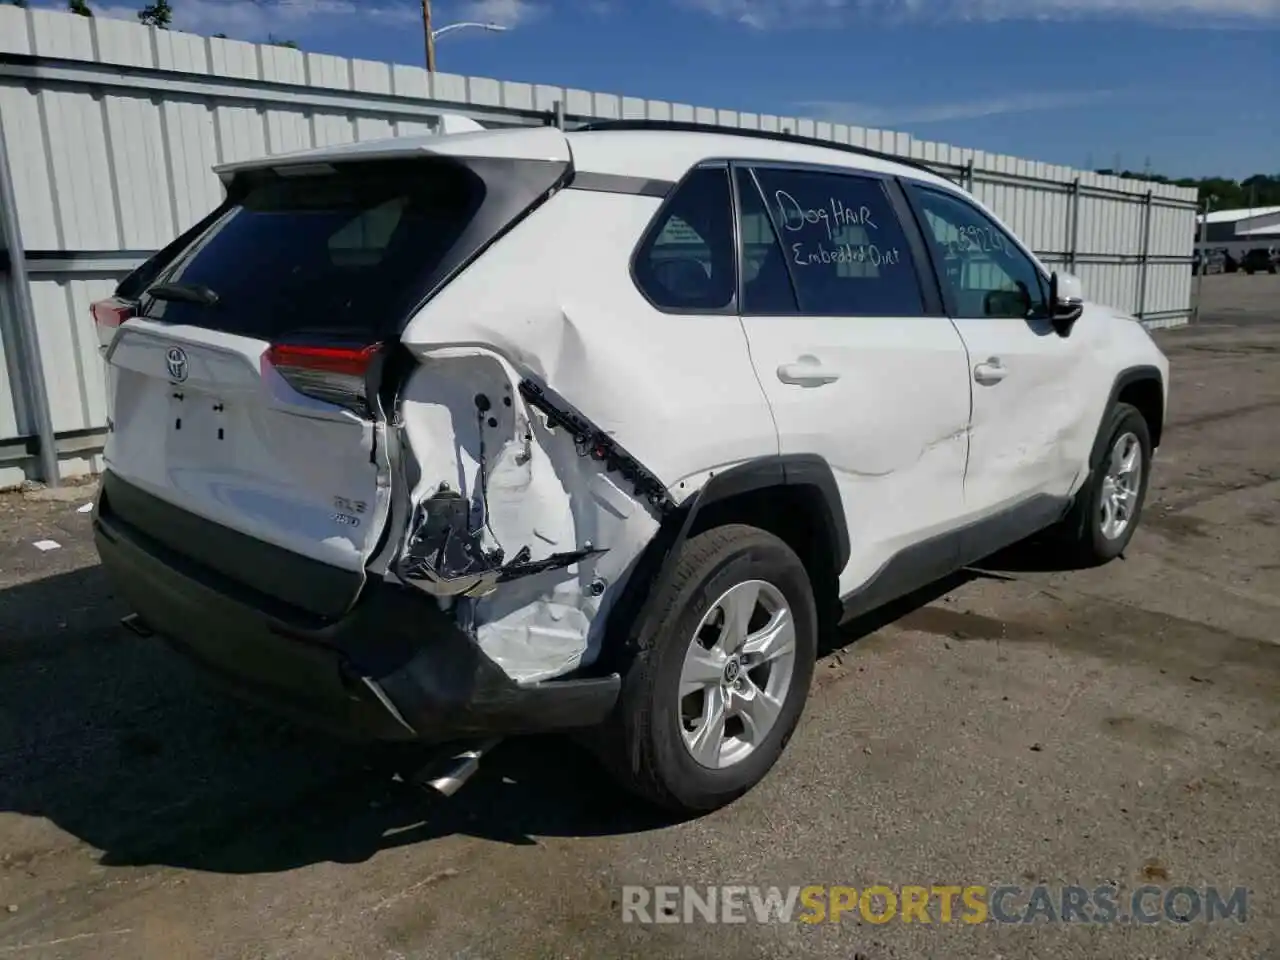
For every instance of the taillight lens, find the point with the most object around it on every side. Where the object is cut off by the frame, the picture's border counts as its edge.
(333, 374)
(108, 315)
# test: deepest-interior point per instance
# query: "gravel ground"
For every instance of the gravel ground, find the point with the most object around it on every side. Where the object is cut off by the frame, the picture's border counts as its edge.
(1017, 726)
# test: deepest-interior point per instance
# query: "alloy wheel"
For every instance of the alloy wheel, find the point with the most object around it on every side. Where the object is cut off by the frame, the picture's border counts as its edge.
(737, 673)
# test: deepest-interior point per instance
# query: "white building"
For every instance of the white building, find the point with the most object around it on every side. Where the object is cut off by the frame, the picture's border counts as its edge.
(1238, 231)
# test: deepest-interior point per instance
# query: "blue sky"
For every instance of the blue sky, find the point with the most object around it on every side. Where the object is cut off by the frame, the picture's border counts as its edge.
(1193, 86)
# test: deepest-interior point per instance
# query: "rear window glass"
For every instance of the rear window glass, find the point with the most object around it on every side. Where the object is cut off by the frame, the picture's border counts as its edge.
(339, 254)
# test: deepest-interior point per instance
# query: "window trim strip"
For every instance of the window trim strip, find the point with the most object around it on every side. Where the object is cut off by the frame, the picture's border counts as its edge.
(621, 184)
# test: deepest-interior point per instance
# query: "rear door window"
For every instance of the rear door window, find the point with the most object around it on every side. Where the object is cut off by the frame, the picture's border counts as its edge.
(842, 243)
(342, 252)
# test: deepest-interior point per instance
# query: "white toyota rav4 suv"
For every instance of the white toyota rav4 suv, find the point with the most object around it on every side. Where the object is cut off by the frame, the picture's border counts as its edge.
(444, 439)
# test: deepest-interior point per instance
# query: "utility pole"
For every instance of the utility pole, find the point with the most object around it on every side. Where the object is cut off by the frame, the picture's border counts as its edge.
(430, 36)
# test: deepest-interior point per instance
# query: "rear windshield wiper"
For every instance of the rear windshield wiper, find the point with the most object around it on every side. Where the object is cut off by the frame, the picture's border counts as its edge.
(188, 292)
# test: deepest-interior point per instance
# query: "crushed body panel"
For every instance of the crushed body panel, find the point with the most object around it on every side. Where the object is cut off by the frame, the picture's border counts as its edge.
(516, 522)
(581, 450)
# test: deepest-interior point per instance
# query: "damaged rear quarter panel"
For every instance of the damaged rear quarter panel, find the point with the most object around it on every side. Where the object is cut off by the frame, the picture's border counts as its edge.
(530, 496)
(552, 305)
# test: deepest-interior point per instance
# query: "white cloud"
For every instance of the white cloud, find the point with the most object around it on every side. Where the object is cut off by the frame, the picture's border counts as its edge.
(256, 19)
(508, 13)
(878, 115)
(766, 14)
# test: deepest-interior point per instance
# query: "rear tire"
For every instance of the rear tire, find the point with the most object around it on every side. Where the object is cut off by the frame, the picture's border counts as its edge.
(735, 629)
(1109, 506)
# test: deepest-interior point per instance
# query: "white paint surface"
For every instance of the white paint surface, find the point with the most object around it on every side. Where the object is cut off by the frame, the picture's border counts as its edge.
(892, 427)
(916, 447)
(283, 458)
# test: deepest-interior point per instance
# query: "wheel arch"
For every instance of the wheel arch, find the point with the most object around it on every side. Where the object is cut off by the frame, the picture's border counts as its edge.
(805, 479)
(793, 496)
(1143, 388)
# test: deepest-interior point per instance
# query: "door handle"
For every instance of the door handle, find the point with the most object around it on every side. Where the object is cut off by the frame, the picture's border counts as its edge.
(989, 373)
(807, 371)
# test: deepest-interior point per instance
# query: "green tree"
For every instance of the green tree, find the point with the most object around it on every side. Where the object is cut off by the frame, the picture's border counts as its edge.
(277, 42)
(158, 14)
(1259, 190)
(80, 7)
(19, 3)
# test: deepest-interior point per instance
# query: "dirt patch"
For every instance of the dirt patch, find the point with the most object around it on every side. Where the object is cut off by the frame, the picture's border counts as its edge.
(962, 625)
(1143, 731)
(1218, 416)
(1175, 526)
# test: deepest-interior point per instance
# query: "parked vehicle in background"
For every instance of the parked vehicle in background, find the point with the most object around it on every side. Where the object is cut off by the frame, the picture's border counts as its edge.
(449, 438)
(1258, 260)
(1212, 261)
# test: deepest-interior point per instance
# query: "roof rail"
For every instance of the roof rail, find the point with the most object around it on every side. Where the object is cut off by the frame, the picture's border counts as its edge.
(686, 126)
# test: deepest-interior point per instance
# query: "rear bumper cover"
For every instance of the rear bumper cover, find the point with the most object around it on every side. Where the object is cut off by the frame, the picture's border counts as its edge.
(395, 667)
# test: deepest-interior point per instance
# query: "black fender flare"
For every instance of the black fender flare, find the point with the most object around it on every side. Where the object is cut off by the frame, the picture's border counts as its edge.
(1125, 378)
(780, 470)
(630, 618)
(1074, 517)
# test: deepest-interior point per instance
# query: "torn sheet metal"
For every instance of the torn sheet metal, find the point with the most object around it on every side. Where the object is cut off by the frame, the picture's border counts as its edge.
(526, 517)
(593, 442)
(446, 558)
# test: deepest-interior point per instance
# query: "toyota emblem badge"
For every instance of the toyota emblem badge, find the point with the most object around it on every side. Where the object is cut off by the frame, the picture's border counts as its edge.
(176, 361)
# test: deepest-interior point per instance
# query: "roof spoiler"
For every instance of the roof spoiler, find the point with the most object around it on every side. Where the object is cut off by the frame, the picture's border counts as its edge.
(457, 123)
(447, 125)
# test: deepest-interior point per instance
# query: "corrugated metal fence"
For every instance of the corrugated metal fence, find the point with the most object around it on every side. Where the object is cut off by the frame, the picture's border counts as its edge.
(111, 130)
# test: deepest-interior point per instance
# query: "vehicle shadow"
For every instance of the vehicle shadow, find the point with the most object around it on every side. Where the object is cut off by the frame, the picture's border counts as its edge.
(119, 743)
(1036, 555)
(852, 631)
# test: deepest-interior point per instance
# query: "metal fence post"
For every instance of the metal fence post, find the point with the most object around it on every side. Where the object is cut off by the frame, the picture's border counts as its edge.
(27, 337)
(1073, 248)
(1204, 255)
(559, 113)
(1146, 255)
(968, 175)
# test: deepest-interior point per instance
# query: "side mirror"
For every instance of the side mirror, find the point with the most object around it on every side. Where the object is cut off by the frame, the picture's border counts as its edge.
(1066, 301)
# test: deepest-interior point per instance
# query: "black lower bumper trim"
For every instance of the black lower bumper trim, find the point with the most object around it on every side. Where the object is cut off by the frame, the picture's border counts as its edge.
(321, 589)
(441, 684)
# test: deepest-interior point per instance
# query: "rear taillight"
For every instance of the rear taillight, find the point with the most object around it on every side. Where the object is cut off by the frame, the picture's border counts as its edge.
(108, 315)
(333, 374)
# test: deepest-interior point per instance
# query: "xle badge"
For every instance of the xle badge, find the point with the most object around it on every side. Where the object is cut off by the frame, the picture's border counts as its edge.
(347, 508)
